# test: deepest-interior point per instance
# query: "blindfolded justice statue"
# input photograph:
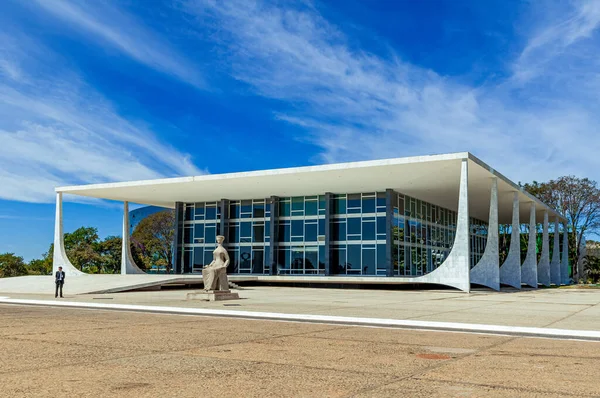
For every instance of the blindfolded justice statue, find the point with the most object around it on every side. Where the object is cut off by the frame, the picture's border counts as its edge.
(214, 276)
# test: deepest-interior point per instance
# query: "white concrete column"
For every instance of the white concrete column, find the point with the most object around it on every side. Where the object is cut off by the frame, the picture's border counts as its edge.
(529, 274)
(455, 270)
(128, 266)
(555, 264)
(487, 272)
(60, 255)
(510, 271)
(544, 264)
(564, 264)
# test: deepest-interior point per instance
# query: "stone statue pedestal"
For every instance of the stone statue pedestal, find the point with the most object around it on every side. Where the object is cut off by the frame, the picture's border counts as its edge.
(213, 295)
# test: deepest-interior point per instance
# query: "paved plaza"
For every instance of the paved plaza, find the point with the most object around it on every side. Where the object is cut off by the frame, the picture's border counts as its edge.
(91, 353)
(564, 308)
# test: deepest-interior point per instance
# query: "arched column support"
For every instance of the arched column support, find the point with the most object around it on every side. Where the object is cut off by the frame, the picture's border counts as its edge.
(487, 272)
(59, 256)
(128, 265)
(455, 270)
(544, 264)
(529, 269)
(564, 264)
(510, 271)
(555, 263)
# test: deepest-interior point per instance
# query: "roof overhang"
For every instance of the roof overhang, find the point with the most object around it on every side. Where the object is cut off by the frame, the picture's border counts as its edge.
(432, 178)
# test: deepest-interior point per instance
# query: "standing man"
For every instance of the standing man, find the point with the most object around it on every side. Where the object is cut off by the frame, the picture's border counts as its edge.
(59, 279)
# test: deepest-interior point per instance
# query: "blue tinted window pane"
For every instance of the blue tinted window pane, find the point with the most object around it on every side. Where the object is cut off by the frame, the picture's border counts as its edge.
(321, 226)
(259, 233)
(322, 202)
(311, 260)
(267, 228)
(381, 199)
(188, 235)
(208, 256)
(368, 261)
(198, 231)
(198, 257)
(245, 229)
(298, 203)
(368, 205)
(368, 231)
(234, 211)
(311, 233)
(353, 226)
(234, 234)
(211, 213)
(338, 259)
(311, 208)
(284, 209)
(199, 209)
(297, 260)
(382, 256)
(210, 234)
(381, 225)
(339, 231)
(284, 233)
(339, 206)
(246, 206)
(257, 261)
(187, 260)
(245, 259)
(354, 200)
(354, 265)
(283, 259)
(189, 213)
(297, 227)
(321, 257)
(258, 210)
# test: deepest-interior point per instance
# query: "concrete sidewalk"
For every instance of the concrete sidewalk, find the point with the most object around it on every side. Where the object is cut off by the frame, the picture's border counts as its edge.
(570, 309)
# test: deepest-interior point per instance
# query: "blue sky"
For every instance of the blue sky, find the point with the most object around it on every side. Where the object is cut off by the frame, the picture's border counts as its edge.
(99, 91)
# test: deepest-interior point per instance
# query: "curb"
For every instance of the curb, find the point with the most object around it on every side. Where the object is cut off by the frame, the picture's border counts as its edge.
(518, 331)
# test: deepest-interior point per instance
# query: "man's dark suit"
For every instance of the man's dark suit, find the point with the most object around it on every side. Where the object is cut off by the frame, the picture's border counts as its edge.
(59, 279)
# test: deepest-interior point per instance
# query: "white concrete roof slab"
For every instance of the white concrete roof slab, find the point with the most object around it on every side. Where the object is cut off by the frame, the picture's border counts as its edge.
(433, 178)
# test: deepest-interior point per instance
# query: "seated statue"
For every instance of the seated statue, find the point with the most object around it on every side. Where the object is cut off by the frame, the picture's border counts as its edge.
(214, 274)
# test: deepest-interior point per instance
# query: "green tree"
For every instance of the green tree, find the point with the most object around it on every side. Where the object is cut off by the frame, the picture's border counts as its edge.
(592, 268)
(578, 199)
(152, 239)
(81, 246)
(11, 265)
(39, 267)
(110, 254)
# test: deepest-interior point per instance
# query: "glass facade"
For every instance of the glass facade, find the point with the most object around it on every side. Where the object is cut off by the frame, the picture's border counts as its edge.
(358, 227)
(346, 236)
(248, 236)
(201, 225)
(423, 235)
(301, 235)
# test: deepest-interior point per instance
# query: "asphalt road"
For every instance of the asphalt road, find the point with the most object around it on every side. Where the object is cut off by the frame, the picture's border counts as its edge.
(92, 353)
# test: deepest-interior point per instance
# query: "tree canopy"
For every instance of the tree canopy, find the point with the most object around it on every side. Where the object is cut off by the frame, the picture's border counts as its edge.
(152, 240)
(578, 199)
(11, 265)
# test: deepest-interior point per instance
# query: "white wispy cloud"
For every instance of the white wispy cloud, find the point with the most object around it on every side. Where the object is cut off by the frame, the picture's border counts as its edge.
(116, 28)
(359, 105)
(57, 130)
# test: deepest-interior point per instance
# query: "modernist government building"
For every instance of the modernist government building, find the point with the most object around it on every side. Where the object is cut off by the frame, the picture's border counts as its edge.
(427, 219)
